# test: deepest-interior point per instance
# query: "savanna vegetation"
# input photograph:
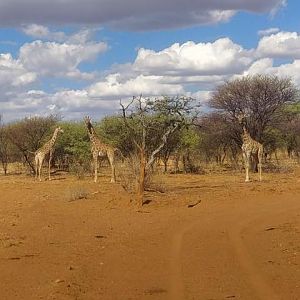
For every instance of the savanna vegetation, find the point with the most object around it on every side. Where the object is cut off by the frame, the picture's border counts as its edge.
(170, 134)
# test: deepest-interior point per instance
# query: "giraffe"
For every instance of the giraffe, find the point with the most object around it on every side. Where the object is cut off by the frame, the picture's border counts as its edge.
(250, 147)
(40, 154)
(100, 149)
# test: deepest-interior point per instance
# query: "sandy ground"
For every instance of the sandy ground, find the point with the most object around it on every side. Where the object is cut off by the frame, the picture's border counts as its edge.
(241, 241)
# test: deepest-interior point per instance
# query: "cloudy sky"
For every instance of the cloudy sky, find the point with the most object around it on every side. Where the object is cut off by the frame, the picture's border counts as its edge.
(77, 57)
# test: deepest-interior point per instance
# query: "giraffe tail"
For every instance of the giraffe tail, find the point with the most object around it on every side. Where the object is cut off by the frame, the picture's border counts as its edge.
(30, 152)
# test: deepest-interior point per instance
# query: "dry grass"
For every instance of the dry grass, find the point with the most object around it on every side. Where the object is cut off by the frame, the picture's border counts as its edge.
(77, 193)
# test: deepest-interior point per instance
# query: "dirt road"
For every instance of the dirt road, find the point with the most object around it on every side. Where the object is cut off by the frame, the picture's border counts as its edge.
(242, 241)
(224, 255)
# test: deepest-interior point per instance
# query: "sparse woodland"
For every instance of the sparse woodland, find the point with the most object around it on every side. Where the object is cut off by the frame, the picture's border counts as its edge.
(170, 134)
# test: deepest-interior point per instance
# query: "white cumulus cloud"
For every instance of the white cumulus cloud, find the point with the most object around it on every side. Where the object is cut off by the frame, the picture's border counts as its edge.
(113, 86)
(189, 68)
(288, 70)
(220, 57)
(55, 59)
(13, 74)
(281, 44)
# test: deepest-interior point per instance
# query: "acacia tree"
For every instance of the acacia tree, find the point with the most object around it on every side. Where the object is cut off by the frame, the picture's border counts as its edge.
(113, 131)
(188, 148)
(150, 123)
(72, 149)
(290, 129)
(170, 147)
(28, 134)
(4, 146)
(261, 97)
(219, 138)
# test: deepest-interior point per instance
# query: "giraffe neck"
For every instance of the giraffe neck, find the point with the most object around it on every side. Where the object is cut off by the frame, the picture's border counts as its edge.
(53, 139)
(92, 134)
(246, 136)
(93, 138)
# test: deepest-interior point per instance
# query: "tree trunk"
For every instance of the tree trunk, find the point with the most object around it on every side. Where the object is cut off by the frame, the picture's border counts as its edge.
(142, 175)
(165, 165)
(224, 155)
(28, 162)
(5, 168)
(176, 162)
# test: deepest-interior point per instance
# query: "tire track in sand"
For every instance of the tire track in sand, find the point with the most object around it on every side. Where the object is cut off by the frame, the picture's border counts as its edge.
(176, 280)
(256, 279)
(257, 283)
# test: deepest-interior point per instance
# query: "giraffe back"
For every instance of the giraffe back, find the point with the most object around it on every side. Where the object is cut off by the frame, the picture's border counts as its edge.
(46, 148)
(97, 146)
(250, 145)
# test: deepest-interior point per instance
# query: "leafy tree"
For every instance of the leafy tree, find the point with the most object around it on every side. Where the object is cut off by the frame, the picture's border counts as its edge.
(261, 97)
(5, 146)
(188, 149)
(113, 131)
(150, 123)
(73, 147)
(273, 140)
(290, 129)
(219, 137)
(28, 134)
(170, 148)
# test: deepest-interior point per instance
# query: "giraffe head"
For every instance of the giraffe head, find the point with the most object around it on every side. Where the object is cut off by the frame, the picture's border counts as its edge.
(243, 120)
(87, 120)
(59, 130)
(88, 124)
(241, 117)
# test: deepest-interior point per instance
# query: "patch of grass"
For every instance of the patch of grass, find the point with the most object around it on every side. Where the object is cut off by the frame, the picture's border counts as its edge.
(276, 168)
(77, 193)
(128, 172)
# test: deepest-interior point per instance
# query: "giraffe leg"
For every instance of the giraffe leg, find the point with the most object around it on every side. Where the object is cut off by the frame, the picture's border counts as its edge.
(95, 158)
(112, 165)
(259, 165)
(36, 167)
(49, 165)
(247, 163)
(40, 169)
(259, 170)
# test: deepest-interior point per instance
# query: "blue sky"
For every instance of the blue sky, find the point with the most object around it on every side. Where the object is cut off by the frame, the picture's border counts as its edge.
(77, 58)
